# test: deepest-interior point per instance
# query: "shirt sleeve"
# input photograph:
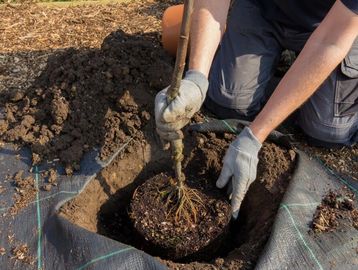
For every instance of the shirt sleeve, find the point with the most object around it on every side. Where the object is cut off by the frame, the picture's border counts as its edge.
(352, 5)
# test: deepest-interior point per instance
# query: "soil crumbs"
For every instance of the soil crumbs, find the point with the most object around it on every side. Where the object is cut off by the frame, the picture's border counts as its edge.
(25, 192)
(50, 177)
(22, 253)
(337, 207)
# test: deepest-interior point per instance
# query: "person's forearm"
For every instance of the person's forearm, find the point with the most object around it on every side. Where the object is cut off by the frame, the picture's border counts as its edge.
(208, 25)
(325, 49)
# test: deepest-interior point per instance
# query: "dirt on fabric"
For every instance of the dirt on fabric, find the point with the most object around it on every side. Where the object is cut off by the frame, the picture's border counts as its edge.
(343, 161)
(22, 253)
(337, 208)
(85, 99)
(50, 177)
(25, 192)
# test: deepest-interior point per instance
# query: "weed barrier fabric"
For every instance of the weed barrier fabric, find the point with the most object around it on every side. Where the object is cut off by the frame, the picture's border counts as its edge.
(55, 243)
(291, 244)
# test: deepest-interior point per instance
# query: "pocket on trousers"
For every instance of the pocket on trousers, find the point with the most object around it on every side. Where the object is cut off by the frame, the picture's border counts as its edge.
(346, 92)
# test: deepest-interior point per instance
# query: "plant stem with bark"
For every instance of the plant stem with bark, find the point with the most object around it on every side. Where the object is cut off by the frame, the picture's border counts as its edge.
(177, 145)
(185, 199)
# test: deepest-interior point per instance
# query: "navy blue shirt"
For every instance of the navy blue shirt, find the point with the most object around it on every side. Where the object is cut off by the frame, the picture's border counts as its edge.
(301, 14)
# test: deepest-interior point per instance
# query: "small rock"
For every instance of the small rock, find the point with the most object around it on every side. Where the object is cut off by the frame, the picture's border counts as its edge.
(35, 158)
(146, 115)
(3, 126)
(292, 154)
(53, 176)
(69, 170)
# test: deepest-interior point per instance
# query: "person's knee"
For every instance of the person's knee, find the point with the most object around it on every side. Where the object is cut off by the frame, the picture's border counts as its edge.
(337, 130)
(331, 114)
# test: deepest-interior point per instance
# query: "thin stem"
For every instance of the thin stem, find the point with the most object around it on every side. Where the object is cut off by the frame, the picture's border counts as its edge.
(181, 51)
(172, 93)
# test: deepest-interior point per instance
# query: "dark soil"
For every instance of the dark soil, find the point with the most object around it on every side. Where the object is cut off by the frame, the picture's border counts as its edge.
(173, 237)
(337, 208)
(84, 99)
(104, 206)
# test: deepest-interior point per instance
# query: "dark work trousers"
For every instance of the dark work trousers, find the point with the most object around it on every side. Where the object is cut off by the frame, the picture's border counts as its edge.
(246, 61)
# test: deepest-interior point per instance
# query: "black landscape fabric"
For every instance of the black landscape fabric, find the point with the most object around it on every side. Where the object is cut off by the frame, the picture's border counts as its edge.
(53, 243)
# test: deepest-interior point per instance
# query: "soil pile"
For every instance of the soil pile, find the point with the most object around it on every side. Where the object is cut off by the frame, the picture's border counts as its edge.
(176, 237)
(88, 98)
(337, 208)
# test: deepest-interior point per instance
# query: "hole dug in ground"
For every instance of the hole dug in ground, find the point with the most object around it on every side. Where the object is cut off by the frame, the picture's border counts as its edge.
(104, 206)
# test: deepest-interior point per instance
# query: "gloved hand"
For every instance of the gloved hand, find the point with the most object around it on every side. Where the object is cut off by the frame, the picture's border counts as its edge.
(171, 118)
(240, 165)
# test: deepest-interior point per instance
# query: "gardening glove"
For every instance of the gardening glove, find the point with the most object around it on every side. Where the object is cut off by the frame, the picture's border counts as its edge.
(171, 117)
(240, 165)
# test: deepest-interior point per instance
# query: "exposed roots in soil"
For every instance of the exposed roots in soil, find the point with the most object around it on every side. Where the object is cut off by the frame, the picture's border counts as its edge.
(182, 200)
(159, 228)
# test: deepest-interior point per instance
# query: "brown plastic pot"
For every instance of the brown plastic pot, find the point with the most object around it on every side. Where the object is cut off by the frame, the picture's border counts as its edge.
(171, 22)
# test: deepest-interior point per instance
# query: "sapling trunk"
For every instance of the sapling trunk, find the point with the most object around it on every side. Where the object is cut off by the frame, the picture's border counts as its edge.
(181, 51)
(184, 198)
(172, 93)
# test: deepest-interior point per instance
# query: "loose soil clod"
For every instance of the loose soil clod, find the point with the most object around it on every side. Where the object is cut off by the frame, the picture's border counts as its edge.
(21, 253)
(51, 177)
(337, 208)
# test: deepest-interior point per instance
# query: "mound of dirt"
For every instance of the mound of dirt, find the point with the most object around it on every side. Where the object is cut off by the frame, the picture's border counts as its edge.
(88, 98)
(337, 208)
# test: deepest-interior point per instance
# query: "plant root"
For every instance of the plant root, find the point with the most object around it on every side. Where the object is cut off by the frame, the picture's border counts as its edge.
(182, 200)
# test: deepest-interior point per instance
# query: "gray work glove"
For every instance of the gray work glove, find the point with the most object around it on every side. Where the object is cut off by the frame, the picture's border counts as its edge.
(171, 118)
(240, 165)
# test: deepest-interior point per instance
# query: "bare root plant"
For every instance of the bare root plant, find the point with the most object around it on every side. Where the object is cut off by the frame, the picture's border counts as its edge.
(177, 194)
(182, 200)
